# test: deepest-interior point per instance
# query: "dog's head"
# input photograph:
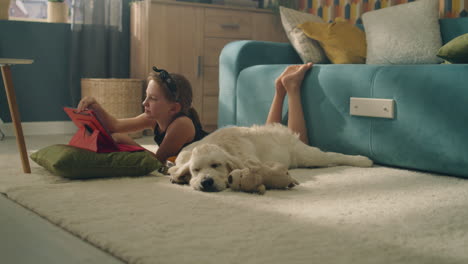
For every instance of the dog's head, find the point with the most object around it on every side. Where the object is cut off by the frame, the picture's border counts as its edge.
(207, 170)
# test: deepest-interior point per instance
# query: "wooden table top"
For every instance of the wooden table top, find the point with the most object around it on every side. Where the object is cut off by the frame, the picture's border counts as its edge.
(6, 61)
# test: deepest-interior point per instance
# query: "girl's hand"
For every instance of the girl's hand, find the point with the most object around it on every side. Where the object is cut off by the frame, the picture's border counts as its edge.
(86, 103)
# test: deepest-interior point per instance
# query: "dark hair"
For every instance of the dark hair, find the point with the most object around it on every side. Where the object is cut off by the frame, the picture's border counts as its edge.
(182, 94)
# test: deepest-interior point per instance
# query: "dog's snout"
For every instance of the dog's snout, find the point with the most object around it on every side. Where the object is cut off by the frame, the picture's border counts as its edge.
(207, 183)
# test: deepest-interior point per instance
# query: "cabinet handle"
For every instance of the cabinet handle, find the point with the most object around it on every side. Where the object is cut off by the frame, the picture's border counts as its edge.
(199, 66)
(232, 26)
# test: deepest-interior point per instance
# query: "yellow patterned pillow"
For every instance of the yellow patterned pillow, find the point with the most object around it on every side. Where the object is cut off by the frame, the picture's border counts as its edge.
(342, 42)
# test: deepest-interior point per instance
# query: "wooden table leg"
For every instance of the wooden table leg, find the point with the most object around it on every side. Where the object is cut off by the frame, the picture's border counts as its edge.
(15, 117)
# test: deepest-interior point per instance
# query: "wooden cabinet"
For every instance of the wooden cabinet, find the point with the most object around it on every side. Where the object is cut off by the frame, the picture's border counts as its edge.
(187, 38)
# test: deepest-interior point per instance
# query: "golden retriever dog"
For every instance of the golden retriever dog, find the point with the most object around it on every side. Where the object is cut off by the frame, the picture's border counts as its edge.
(206, 164)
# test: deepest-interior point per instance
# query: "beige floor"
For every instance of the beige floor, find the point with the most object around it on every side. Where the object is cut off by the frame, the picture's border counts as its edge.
(26, 237)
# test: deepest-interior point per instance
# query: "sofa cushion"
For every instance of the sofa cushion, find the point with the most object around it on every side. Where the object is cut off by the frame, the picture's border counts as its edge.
(428, 132)
(342, 42)
(76, 163)
(403, 34)
(456, 51)
(249, 79)
(451, 28)
(309, 50)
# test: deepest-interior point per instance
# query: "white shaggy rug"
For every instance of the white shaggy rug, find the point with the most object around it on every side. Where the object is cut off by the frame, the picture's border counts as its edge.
(336, 215)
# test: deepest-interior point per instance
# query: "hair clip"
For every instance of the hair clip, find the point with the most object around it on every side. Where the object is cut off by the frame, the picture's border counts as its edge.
(166, 77)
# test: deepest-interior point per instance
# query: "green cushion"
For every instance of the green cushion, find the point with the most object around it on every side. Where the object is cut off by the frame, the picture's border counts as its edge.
(456, 50)
(75, 163)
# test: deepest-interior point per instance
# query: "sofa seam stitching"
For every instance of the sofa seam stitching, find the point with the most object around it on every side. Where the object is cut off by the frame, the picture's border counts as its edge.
(371, 126)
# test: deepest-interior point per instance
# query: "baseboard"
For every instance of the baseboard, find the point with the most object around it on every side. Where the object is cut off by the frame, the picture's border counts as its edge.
(40, 128)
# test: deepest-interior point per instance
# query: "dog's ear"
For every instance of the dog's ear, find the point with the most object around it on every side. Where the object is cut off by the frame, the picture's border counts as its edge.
(183, 157)
(180, 174)
(252, 164)
(233, 162)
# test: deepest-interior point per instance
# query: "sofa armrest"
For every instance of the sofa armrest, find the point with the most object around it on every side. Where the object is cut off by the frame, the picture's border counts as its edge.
(239, 55)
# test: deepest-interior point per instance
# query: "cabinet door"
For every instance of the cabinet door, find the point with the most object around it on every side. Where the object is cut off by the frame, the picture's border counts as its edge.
(176, 43)
(268, 27)
(227, 24)
(138, 40)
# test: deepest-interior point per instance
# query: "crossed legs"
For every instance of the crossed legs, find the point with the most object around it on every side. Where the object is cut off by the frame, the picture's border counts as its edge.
(290, 82)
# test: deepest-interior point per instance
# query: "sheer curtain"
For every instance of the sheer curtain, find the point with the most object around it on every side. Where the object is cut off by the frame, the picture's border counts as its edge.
(99, 41)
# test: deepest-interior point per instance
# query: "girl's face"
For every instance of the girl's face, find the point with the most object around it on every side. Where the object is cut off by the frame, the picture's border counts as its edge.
(156, 104)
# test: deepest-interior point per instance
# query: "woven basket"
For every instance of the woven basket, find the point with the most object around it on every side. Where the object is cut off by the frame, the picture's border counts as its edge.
(121, 98)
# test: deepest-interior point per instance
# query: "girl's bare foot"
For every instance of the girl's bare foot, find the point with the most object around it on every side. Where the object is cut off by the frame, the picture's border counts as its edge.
(280, 90)
(290, 82)
(293, 76)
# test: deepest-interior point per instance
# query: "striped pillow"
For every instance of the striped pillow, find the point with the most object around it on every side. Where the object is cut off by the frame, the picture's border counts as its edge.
(308, 49)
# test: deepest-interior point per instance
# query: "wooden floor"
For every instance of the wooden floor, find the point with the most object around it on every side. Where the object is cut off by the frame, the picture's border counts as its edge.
(27, 238)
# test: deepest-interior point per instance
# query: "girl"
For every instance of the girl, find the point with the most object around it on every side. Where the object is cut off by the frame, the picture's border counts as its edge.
(290, 82)
(168, 112)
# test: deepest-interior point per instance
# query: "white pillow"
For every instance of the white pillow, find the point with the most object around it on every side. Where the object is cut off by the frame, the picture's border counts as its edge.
(403, 34)
(308, 49)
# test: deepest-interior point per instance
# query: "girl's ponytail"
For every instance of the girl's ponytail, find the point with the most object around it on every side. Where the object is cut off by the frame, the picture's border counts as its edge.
(200, 133)
(193, 114)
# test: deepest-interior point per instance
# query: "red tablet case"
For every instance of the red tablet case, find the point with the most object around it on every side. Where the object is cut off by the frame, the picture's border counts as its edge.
(92, 135)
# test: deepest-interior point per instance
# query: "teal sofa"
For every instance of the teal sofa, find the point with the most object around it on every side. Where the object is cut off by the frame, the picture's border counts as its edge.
(429, 131)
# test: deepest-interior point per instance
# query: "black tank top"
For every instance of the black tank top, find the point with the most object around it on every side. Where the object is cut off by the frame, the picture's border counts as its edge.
(199, 132)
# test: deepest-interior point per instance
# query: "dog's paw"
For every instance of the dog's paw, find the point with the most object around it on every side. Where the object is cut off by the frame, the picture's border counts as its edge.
(184, 179)
(179, 176)
(362, 161)
(293, 183)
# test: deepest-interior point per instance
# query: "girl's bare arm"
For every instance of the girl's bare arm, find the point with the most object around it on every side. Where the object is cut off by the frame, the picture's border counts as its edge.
(178, 134)
(113, 124)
